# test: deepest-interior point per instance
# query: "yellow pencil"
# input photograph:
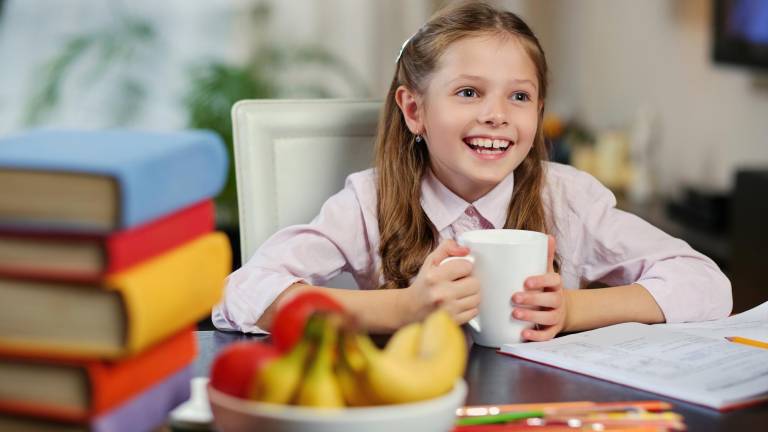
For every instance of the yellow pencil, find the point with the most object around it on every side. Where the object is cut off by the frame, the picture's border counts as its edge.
(750, 342)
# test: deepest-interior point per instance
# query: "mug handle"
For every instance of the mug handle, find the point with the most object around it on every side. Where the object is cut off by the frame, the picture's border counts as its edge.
(473, 322)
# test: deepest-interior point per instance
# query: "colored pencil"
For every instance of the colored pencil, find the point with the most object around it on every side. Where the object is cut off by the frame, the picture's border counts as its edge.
(746, 341)
(513, 427)
(563, 407)
(498, 418)
(475, 410)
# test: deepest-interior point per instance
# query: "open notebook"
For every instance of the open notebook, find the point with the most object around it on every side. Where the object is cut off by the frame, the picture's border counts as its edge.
(692, 362)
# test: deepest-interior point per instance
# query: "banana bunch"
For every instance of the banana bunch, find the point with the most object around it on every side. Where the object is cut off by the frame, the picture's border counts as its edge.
(305, 375)
(332, 368)
(421, 361)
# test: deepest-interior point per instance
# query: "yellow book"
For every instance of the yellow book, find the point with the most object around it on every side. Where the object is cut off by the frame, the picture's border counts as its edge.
(128, 312)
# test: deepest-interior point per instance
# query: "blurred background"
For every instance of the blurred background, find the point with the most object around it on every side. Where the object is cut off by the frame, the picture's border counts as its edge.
(665, 101)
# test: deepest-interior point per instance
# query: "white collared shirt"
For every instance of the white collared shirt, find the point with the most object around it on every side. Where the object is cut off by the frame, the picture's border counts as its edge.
(595, 242)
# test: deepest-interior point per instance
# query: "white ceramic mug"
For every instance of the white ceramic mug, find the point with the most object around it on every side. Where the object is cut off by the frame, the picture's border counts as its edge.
(503, 259)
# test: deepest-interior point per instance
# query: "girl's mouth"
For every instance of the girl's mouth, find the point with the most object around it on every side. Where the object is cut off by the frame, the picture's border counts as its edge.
(487, 146)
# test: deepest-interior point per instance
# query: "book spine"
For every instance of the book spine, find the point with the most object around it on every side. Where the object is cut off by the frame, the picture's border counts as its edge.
(148, 410)
(145, 412)
(27, 410)
(173, 180)
(43, 270)
(44, 274)
(126, 248)
(174, 290)
(114, 382)
(109, 383)
(120, 250)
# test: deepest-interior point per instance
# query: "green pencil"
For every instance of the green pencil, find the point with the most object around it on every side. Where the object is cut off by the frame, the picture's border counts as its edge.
(498, 418)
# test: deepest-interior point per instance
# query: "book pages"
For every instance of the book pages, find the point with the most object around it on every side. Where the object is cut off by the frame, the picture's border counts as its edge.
(701, 370)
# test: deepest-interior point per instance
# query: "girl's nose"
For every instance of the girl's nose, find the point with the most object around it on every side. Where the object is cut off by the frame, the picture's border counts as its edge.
(494, 115)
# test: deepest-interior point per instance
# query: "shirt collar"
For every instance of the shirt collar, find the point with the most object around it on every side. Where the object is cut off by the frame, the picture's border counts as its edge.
(444, 207)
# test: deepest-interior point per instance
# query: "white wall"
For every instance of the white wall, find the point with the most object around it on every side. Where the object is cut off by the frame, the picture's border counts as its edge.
(367, 34)
(607, 57)
(34, 31)
(610, 57)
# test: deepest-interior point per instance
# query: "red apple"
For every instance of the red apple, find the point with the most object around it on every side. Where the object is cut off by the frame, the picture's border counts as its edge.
(234, 367)
(291, 317)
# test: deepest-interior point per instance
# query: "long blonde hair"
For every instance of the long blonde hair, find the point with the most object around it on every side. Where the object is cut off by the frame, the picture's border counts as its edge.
(407, 234)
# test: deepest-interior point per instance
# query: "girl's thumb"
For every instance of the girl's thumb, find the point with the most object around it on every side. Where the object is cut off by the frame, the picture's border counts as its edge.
(448, 248)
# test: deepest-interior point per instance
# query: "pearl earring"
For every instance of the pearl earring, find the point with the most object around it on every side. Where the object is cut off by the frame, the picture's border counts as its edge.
(419, 139)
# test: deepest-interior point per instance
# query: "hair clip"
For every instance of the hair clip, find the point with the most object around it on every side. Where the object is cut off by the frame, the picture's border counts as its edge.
(402, 48)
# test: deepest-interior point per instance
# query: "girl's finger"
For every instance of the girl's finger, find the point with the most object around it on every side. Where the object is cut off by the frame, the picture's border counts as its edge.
(464, 317)
(539, 335)
(458, 306)
(453, 270)
(542, 281)
(546, 318)
(446, 249)
(540, 299)
(550, 254)
(465, 287)
(468, 303)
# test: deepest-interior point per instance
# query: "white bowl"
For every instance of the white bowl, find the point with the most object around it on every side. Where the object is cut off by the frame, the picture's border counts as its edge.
(231, 414)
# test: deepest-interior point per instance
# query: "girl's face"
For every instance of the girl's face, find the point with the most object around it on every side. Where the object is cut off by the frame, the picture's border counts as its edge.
(479, 113)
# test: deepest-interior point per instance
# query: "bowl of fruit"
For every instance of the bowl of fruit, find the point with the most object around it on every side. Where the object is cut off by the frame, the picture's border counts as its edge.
(323, 375)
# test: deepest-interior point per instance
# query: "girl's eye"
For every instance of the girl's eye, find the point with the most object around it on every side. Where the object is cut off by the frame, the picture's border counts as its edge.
(467, 92)
(521, 97)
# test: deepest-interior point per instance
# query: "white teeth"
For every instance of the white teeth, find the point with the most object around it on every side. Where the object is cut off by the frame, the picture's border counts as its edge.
(500, 144)
(489, 143)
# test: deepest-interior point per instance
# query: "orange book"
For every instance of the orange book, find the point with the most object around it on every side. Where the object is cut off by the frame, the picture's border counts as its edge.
(79, 390)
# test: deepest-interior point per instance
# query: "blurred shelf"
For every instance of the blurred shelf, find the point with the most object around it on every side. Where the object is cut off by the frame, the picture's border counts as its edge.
(714, 245)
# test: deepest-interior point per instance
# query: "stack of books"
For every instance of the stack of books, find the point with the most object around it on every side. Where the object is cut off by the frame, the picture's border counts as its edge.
(108, 258)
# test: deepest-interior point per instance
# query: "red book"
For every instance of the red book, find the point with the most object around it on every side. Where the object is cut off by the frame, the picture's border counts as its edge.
(73, 257)
(77, 391)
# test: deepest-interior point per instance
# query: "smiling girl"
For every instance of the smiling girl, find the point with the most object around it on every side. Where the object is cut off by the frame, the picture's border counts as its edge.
(460, 147)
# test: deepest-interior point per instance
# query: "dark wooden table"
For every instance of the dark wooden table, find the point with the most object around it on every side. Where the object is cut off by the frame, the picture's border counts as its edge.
(496, 378)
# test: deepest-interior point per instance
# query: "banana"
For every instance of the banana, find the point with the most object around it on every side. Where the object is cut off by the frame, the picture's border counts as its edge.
(443, 338)
(279, 380)
(320, 388)
(440, 360)
(350, 372)
(405, 343)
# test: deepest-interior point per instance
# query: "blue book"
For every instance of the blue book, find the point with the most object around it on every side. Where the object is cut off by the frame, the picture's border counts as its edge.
(101, 181)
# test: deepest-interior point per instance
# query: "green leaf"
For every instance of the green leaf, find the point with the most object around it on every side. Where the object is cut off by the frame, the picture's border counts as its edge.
(114, 48)
(45, 97)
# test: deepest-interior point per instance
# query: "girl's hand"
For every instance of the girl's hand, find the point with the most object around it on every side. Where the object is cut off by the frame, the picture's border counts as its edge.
(545, 303)
(448, 286)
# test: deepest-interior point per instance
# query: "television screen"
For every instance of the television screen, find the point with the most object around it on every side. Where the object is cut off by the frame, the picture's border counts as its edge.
(741, 32)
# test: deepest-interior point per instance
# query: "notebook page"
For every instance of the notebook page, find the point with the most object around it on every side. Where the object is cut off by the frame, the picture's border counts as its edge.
(710, 372)
(752, 324)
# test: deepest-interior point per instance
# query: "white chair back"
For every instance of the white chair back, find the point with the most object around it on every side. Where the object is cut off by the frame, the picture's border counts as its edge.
(292, 155)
